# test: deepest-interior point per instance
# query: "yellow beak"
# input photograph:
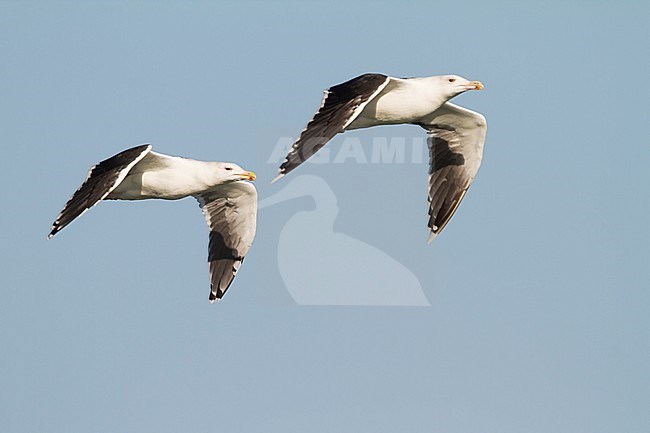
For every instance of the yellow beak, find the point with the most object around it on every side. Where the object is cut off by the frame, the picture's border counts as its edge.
(248, 175)
(476, 84)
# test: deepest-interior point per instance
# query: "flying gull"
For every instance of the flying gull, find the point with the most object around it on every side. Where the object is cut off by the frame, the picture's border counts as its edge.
(228, 205)
(455, 135)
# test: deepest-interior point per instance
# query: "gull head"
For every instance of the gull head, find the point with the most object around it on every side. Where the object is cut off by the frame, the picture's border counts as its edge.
(229, 172)
(454, 85)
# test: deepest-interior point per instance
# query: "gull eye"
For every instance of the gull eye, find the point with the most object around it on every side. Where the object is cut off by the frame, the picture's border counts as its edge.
(228, 168)
(451, 80)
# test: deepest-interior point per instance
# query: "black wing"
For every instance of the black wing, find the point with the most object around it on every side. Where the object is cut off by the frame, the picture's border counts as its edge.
(456, 138)
(102, 178)
(341, 104)
(230, 211)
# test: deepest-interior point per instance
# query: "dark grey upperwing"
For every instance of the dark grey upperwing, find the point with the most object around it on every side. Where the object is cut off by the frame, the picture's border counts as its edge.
(341, 104)
(456, 138)
(102, 178)
(230, 211)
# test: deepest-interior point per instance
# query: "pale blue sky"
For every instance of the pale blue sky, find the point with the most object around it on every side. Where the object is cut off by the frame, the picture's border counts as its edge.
(538, 287)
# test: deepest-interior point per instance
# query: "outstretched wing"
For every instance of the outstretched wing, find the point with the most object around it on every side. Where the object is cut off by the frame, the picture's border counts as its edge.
(102, 178)
(341, 104)
(230, 211)
(456, 138)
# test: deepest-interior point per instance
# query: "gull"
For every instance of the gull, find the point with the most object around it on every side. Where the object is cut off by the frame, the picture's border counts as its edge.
(455, 134)
(229, 205)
